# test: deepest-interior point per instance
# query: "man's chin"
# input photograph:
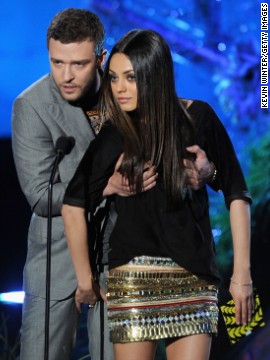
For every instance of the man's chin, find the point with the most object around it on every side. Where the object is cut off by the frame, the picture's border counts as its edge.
(72, 97)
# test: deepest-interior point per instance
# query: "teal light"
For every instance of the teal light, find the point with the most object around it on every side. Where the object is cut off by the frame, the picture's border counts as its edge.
(14, 297)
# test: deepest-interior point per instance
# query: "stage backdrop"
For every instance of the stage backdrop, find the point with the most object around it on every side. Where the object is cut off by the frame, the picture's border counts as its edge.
(216, 51)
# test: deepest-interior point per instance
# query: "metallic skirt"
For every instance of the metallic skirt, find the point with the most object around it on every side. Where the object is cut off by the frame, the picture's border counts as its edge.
(154, 298)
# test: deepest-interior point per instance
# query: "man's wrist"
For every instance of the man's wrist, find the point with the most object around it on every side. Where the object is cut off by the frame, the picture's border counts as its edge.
(213, 174)
(209, 174)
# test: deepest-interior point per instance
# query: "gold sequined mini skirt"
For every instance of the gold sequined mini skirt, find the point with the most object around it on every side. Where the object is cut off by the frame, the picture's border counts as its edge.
(153, 298)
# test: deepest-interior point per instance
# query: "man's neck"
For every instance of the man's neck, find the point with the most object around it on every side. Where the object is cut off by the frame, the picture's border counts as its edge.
(88, 101)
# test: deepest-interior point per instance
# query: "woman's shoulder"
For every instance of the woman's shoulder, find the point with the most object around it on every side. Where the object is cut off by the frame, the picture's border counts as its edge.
(200, 111)
(190, 104)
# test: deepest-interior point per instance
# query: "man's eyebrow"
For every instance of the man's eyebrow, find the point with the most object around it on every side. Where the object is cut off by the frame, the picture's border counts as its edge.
(83, 61)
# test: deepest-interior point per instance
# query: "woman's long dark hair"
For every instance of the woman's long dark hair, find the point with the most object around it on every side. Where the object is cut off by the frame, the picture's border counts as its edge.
(159, 130)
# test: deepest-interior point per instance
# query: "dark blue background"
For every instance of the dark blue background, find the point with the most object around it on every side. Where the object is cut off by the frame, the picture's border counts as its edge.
(216, 51)
(215, 45)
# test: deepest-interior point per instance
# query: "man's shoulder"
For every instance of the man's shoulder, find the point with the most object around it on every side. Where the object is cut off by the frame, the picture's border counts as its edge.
(41, 90)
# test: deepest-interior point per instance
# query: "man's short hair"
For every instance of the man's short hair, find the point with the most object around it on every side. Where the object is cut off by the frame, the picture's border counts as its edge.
(76, 25)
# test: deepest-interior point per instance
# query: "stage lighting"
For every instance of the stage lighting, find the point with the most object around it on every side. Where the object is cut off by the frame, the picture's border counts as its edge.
(14, 297)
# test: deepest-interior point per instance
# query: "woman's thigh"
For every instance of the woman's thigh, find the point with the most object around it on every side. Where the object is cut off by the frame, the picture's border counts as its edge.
(193, 347)
(141, 350)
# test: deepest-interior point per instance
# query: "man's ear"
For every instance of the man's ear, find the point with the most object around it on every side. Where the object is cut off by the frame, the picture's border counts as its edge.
(101, 58)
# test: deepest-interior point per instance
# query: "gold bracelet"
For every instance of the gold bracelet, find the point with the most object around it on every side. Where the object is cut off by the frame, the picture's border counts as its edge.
(241, 284)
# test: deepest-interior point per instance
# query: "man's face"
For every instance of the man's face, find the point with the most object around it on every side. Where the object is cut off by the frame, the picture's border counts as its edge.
(74, 67)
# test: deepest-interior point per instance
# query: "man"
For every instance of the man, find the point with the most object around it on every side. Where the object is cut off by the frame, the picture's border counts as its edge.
(62, 103)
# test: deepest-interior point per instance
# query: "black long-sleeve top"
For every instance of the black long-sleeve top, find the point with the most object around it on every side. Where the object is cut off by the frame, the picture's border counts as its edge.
(144, 226)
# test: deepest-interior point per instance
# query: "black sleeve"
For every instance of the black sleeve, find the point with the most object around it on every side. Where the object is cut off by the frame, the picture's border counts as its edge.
(96, 167)
(214, 139)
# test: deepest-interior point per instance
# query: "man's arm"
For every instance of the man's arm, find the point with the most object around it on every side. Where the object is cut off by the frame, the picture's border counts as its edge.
(34, 154)
(199, 172)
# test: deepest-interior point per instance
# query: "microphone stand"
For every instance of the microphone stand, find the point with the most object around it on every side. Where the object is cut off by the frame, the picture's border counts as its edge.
(57, 160)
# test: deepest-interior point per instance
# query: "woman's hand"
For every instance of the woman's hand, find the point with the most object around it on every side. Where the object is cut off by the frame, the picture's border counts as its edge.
(241, 283)
(89, 293)
(242, 294)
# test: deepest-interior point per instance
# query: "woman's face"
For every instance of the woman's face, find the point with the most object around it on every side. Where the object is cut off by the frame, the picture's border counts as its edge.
(123, 82)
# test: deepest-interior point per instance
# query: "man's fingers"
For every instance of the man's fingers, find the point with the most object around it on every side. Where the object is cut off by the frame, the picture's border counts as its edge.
(119, 162)
(193, 178)
(195, 149)
(190, 165)
(149, 173)
(148, 165)
(149, 186)
(121, 184)
(149, 178)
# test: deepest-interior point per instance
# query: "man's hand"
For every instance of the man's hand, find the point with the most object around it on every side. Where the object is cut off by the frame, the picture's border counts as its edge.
(119, 185)
(200, 171)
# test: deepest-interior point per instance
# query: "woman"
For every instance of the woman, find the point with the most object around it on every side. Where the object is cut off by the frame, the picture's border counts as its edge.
(163, 278)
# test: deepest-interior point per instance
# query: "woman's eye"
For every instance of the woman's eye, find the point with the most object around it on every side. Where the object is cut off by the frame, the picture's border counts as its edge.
(113, 78)
(131, 77)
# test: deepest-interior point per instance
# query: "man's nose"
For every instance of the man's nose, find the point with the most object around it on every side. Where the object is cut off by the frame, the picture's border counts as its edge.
(68, 73)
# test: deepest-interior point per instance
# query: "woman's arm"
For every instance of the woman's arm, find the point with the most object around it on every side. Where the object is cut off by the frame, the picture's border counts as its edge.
(214, 139)
(241, 283)
(88, 291)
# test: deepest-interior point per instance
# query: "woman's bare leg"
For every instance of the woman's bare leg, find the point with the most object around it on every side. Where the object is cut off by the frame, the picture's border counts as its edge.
(193, 347)
(143, 350)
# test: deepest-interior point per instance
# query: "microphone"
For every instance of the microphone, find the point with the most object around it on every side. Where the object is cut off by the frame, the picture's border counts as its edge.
(64, 145)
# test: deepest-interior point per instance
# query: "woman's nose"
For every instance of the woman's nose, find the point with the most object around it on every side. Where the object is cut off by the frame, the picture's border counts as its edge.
(121, 87)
